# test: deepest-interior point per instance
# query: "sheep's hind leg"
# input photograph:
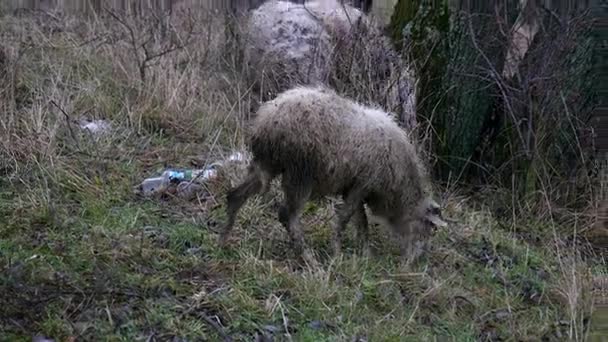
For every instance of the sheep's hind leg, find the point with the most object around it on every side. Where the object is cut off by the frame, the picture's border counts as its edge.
(296, 195)
(257, 181)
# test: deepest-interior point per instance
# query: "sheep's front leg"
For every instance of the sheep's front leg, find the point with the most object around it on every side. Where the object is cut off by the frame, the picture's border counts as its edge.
(362, 230)
(405, 249)
(411, 247)
(352, 204)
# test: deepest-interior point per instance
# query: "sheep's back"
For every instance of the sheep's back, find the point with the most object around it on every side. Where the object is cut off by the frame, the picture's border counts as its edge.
(313, 132)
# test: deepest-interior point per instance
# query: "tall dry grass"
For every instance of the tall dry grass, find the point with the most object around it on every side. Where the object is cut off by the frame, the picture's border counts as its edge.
(159, 75)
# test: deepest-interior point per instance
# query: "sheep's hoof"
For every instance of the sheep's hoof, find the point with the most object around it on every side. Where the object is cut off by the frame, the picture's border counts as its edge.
(406, 263)
(337, 248)
(410, 260)
(366, 251)
(283, 216)
(222, 240)
(309, 258)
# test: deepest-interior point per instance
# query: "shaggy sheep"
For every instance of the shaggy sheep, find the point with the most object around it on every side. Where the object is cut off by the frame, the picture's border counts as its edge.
(282, 39)
(323, 144)
(325, 42)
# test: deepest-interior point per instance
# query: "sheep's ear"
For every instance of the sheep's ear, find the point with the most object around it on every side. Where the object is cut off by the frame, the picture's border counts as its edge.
(433, 214)
(436, 220)
(433, 205)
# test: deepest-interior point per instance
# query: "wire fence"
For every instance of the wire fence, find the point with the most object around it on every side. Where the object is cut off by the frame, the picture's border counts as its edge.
(127, 6)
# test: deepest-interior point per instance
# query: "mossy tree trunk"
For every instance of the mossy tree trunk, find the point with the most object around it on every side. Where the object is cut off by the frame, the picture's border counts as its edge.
(440, 50)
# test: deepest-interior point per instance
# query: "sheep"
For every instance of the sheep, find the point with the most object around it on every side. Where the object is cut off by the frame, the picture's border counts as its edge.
(322, 145)
(287, 41)
(325, 42)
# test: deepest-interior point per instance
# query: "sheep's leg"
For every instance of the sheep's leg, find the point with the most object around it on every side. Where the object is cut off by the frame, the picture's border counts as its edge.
(362, 229)
(284, 216)
(256, 181)
(405, 250)
(352, 204)
(411, 254)
(410, 247)
(296, 195)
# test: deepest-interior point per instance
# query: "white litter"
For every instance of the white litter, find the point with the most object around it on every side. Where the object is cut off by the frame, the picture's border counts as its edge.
(237, 156)
(96, 126)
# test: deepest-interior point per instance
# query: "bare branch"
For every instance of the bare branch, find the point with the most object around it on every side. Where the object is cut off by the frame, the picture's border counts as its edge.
(148, 54)
(67, 119)
(501, 86)
(133, 40)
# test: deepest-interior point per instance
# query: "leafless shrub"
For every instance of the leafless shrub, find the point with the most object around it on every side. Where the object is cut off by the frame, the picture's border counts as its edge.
(365, 66)
(513, 112)
(548, 106)
(153, 37)
(94, 68)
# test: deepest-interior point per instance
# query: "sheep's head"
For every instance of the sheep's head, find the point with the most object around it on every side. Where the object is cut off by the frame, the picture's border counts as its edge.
(431, 214)
(416, 227)
(425, 218)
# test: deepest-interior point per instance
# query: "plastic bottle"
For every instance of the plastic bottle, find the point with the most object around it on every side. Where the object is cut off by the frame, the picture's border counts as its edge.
(152, 185)
(158, 184)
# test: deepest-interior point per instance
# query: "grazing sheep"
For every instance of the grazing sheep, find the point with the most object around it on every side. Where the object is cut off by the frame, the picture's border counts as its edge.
(326, 42)
(323, 144)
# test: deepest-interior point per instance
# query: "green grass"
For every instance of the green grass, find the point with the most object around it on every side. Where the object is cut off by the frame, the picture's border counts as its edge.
(95, 262)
